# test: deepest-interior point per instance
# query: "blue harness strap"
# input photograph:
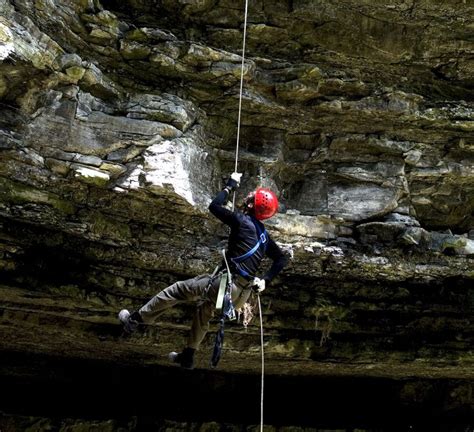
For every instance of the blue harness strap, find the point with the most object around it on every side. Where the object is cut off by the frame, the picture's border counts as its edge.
(262, 241)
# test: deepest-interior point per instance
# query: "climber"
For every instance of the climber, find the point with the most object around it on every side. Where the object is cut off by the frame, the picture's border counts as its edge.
(248, 243)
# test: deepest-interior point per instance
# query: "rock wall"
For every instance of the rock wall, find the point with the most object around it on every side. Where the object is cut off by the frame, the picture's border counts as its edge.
(118, 123)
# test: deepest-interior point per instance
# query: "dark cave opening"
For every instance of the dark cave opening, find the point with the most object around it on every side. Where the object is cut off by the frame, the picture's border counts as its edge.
(48, 386)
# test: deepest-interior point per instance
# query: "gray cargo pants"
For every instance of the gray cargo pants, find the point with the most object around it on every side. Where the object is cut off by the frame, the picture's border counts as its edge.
(195, 289)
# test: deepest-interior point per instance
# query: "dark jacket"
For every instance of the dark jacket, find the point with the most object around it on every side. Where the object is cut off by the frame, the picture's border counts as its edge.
(244, 236)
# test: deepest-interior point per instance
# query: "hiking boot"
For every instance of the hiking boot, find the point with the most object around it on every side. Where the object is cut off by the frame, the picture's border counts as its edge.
(185, 359)
(130, 321)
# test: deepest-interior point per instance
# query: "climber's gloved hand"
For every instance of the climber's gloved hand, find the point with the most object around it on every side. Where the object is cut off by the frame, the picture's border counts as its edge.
(234, 180)
(258, 285)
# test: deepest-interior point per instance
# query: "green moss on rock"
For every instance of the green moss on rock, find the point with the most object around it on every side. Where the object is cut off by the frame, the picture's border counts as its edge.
(18, 193)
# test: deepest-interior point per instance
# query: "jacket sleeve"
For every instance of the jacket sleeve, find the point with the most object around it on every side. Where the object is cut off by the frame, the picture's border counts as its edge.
(220, 212)
(279, 260)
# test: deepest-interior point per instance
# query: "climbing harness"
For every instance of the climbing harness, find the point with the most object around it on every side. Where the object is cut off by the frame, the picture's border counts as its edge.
(225, 284)
(262, 241)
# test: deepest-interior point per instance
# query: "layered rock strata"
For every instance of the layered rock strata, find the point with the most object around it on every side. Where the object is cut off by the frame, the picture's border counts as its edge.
(118, 125)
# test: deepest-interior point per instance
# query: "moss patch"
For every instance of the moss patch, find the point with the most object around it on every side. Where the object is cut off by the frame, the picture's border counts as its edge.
(18, 193)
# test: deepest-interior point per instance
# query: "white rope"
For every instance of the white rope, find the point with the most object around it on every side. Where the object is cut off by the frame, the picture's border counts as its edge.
(233, 199)
(241, 87)
(240, 95)
(263, 362)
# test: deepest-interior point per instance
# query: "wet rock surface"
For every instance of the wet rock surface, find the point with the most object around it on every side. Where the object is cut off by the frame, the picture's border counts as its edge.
(118, 125)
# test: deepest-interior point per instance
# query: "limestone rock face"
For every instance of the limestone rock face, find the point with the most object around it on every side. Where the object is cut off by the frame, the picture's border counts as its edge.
(118, 124)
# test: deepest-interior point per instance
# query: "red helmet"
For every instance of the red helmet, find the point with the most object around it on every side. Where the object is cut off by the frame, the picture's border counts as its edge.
(266, 203)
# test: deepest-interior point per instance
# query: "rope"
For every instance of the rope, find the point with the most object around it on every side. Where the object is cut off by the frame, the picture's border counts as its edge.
(233, 200)
(240, 95)
(263, 362)
(241, 87)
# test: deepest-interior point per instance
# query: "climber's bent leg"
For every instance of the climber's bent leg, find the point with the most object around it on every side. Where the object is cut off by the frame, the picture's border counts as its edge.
(188, 290)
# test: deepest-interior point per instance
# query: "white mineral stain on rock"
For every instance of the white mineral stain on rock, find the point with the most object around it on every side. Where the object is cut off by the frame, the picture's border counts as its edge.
(164, 168)
(90, 175)
(6, 42)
